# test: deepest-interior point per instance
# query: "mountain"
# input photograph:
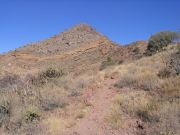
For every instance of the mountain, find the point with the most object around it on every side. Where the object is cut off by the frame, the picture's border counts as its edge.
(78, 46)
(77, 49)
(79, 82)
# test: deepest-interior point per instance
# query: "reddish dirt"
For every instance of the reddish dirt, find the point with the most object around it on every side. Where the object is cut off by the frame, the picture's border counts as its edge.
(94, 122)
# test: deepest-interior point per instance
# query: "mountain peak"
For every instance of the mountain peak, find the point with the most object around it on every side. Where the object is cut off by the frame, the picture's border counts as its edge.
(84, 27)
(80, 35)
(81, 28)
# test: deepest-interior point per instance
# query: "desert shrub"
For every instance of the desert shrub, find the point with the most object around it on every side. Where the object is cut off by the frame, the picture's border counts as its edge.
(51, 97)
(172, 66)
(165, 73)
(146, 116)
(136, 53)
(31, 114)
(120, 61)
(50, 73)
(9, 80)
(128, 80)
(52, 104)
(45, 76)
(147, 113)
(171, 87)
(136, 50)
(145, 81)
(4, 113)
(160, 40)
(115, 117)
(175, 62)
(127, 104)
(168, 119)
(178, 46)
(108, 62)
(10, 110)
(161, 115)
(75, 93)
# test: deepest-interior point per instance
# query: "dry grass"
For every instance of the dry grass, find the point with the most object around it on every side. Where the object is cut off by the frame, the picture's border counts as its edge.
(162, 116)
(126, 105)
(25, 108)
(54, 125)
(158, 107)
(170, 87)
(142, 80)
(51, 96)
(23, 105)
(31, 114)
(138, 75)
(12, 106)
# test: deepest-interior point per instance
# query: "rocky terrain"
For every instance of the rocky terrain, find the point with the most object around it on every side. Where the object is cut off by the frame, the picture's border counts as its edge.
(79, 82)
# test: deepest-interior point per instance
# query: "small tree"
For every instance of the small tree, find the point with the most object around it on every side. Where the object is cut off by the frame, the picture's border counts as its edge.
(160, 40)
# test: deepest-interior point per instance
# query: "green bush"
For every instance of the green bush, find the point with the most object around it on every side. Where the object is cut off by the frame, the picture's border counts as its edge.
(31, 114)
(51, 73)
(160, 40)
(44, 76)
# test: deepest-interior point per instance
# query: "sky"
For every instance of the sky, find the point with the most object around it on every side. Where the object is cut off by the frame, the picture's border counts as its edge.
(123, 21)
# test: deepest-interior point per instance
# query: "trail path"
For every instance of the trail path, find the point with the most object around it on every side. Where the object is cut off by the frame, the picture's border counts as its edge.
(94, 122)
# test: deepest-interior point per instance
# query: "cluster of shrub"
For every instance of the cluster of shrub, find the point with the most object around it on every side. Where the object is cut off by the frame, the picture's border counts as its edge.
(160, 40)
(156, 43)
(15, 95)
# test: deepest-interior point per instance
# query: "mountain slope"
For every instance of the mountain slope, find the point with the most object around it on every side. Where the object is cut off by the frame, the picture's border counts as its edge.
(78, 46)
(81, 83)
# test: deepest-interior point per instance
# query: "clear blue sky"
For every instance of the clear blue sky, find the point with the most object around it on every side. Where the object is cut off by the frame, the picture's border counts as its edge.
(123, 21)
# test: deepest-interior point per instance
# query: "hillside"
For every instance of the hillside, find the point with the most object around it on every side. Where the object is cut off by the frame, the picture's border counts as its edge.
(79, 82)
(78, 46)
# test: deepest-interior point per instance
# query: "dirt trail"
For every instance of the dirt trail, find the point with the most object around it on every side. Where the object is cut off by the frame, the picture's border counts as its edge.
(93, 123)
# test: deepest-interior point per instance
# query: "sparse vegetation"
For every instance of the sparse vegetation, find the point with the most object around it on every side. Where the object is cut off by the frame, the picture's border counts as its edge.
(31, 114)
(158, 107)
(140, 80)
(158, 41)
(165, 73)
(42, 100)
(4, 114)
(10, 80)
(47, 75)
(175, 62)
(172, 66)
(109, 62)
(54, 125)
(171, 87)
